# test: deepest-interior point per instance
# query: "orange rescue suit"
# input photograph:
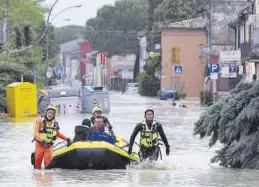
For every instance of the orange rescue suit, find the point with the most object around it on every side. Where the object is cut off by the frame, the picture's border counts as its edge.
(40, 152)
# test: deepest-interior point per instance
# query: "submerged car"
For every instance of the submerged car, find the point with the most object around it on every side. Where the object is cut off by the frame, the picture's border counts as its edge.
(132, 88)
(165, 94)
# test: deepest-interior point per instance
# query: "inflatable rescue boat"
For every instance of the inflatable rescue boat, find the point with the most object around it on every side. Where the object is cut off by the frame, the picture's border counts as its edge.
(93, 155)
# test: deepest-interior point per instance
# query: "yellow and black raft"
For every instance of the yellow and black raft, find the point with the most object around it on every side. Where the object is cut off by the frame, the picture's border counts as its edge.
(94, 155)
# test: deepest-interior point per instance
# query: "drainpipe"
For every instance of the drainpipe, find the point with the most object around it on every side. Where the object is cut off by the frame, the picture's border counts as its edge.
(210, 47)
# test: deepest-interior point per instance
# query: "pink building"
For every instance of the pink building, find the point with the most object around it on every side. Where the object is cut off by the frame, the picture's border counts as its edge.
(182, 65)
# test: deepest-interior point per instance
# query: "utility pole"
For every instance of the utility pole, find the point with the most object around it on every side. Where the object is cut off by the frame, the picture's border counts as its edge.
(210, 30)
(7, 20)
(47, 58)
(5, 26)
(214, 83)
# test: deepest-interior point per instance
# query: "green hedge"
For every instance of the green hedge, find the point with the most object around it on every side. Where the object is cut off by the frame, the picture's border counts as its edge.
(205, 98)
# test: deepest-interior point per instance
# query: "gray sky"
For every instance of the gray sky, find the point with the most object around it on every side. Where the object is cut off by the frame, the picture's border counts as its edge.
(77, 16)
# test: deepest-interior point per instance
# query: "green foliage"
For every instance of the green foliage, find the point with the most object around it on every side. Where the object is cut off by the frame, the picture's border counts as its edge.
(24, 13)
(178, 10)
(26, 23)
(114, 30)
(205, 98)
(181, 95)
(27, 35)
(53, 46)
(18, 38)
(68, 33)
(152, 5)
(149, 84)
(10, 72)
(29, 57)
(233, 121)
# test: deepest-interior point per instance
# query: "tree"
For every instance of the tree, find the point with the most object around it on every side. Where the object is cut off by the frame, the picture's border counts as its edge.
(11, 71)
(27, 35)
(115, 28)
(24, 14)
(68, 33)
(178, 10)
(233, 121)
(152, 5)
(26, 23)
(149, 83)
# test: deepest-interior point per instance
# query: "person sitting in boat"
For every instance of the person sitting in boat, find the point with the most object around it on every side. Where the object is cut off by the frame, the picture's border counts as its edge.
(81, 131)
(97, 112)
(97, 132)
(150, 131)
(46, 131)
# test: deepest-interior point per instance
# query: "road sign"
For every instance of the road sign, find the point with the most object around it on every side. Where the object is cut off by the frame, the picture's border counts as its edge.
(229, 69)
(59, 70)
(214, 76)
(226, 56)
(103, 58)
(214, 68)
(105, 100)
(178, 69)
(232, 68)
(35, 69)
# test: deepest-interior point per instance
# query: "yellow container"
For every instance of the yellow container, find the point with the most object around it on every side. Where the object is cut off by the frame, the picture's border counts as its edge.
(21, 99)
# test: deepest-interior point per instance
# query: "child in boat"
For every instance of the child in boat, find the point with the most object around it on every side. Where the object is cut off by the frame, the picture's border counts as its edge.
(81, 131)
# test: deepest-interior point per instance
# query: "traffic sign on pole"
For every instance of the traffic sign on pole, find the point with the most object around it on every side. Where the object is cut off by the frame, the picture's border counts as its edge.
(214, 68)
(103, 58)
(178, 69)
(59, 70)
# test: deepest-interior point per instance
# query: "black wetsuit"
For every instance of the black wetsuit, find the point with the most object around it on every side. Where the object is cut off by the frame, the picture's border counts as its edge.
(148, 151)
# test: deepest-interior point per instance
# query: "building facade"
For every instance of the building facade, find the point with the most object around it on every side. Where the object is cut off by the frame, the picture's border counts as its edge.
(246, 32)
(182, 66)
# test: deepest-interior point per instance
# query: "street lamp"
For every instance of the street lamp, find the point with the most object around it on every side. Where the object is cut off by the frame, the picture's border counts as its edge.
(76, 6)
(47, 39)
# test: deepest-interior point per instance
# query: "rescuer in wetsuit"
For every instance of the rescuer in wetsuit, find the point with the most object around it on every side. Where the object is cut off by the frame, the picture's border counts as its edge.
(150, 131)
(46, 131)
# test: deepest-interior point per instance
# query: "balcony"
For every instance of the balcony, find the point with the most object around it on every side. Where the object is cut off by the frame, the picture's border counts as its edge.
(249, 51)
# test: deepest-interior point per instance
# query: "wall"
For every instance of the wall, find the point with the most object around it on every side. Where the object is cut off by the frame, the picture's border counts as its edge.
(224, 12)
(143, 53)
(189, 41)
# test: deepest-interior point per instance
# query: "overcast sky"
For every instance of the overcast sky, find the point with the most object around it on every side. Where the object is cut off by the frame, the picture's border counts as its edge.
(77, 16)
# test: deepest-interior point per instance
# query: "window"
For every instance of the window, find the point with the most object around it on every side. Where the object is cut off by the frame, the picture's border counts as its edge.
(236, 38)
(242, 34)
(250, 33)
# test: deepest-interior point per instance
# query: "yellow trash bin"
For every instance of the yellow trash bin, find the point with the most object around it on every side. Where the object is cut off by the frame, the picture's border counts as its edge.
(21, 99)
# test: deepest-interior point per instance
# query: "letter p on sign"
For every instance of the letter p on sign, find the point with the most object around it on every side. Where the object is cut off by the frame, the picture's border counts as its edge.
(214, 68)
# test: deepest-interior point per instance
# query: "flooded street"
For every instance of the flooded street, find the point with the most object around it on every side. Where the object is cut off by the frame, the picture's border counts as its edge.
(187, 165)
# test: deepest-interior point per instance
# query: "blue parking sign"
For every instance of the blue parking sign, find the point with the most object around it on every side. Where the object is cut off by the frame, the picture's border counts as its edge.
(214, 68)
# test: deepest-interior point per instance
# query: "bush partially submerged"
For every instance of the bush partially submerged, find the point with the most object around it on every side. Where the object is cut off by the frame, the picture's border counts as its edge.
(234, 121)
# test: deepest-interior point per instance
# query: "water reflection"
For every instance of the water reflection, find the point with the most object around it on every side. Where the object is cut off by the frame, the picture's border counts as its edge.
(43, 178)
